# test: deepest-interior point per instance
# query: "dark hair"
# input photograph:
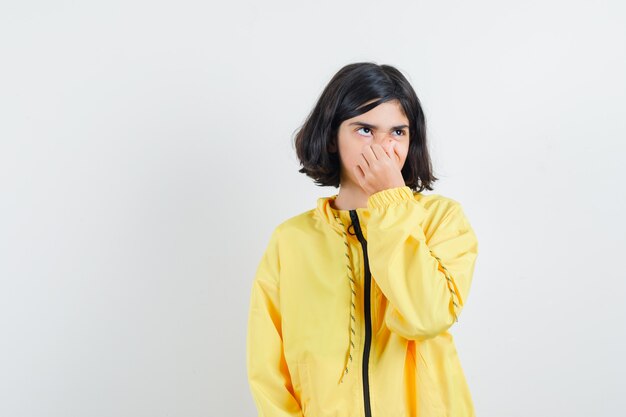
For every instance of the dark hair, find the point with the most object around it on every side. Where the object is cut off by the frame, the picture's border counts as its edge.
(342, 99)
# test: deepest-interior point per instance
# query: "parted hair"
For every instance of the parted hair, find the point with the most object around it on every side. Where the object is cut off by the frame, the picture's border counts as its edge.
(343, 98)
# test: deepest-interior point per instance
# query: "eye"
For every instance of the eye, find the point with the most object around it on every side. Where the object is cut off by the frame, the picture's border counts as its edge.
(368, 130)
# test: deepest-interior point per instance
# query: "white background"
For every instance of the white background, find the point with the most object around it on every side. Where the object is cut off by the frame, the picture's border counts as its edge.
(146, 153)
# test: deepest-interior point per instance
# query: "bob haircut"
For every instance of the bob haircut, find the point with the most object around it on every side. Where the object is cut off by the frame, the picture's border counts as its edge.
(343, 98)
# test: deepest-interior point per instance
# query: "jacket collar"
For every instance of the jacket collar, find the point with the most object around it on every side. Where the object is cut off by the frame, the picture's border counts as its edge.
(340, 220)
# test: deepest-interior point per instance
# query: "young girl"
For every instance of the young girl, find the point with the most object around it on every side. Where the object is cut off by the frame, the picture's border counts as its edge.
(352, 300)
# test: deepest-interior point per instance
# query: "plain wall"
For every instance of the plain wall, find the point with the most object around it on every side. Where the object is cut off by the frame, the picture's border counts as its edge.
(146, 154)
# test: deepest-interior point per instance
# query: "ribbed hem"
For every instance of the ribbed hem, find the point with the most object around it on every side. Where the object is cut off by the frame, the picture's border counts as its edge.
(390, 195)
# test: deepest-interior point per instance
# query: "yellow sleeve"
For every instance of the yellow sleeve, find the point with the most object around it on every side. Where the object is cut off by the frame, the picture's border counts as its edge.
(426, 281)
(268, 375)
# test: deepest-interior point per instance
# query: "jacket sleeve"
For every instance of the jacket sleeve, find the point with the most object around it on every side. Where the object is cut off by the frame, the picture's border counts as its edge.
(268, 375)
(425, 280)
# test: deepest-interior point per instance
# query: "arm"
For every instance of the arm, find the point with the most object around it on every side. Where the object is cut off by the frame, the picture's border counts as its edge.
(268, 375)
(425, 280)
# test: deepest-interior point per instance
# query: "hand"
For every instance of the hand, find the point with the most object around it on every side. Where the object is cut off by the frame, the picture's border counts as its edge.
(379, 169)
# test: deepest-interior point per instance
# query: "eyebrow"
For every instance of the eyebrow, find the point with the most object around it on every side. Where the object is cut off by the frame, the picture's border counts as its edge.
(376, 127)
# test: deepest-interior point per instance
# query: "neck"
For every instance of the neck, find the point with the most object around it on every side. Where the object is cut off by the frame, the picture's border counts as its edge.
(350, 196)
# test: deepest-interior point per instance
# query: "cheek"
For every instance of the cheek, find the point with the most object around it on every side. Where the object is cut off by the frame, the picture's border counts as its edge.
(350, 155)
(350, 161)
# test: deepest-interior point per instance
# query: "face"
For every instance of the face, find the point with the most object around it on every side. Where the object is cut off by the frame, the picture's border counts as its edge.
(385, 124)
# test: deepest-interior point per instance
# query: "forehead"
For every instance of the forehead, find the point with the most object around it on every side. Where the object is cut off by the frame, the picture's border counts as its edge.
(387, 114)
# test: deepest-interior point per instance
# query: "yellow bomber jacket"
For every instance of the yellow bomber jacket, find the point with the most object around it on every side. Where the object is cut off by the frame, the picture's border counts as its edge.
(350, 310)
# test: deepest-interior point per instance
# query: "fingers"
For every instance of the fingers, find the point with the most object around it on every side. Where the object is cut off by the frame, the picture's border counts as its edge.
(376, 151)
(394, 151)
(368, 154)
(378, 167)
(391, 151)
(380, 151)
(364, 159)
(359, 174)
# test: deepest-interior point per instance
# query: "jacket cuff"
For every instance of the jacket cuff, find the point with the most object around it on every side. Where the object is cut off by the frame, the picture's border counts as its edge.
(389, 196)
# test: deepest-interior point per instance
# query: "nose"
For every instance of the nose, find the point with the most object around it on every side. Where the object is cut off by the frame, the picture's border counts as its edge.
(383, 138)
(387, 142)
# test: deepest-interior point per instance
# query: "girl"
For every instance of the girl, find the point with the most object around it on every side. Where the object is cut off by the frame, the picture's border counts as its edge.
(352, 300)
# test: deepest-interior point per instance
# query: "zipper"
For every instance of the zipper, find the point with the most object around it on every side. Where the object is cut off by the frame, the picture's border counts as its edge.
(368, 320)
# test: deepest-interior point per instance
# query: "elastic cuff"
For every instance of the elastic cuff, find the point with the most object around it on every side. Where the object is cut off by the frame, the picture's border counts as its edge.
(390, 195)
